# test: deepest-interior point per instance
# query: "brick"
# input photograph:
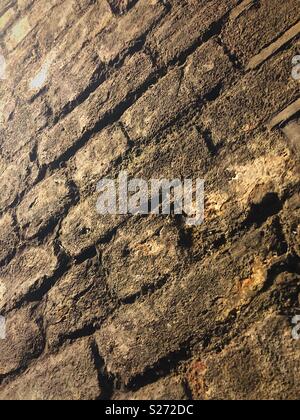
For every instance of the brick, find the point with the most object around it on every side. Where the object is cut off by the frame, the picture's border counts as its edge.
(285, 115)
(15, 178)
(73, 62)
(7, 19)
(30, 269)
(182, 153)
(22, 124)
(139, 335)
(24, 4)
(43, 205)
(269, 20)
(185, 26)
(120, 7)
(5, 4)
(177, 91)
(122, 31)
(8, 237)
(80, 299)
(83, 227)
(68, 48)
(7, 108)
(150, 243)
(101, 103)
(253, 100)
(197, 298)
(93, 161)
(59, 19)
(70, 375)
(266, 354)
(271, 49)
(24, 340)
(19, 31)
(159, 89)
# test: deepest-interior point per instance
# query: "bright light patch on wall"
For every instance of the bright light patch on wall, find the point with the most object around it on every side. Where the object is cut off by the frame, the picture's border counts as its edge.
(40, 79)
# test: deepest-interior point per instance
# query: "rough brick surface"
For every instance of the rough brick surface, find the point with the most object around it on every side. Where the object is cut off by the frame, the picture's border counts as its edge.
(60, 377)
(145, 306)
(24, 340)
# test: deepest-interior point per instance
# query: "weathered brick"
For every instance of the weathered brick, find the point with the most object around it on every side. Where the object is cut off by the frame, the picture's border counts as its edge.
(7, 19)
(267, 18)
(153, 243)
(177, 91)
(72, 64)
(262, 364)
(120, 7)
(7, 107)
(15, 177)
(83, 227)
(78, 300)
(29, 270)
(43, 205)
(5, 4)
(21, 125)
(70, 375)
(186, 25)
(8, 237)
(253, 100)
(19, 31)
(24, 4)
(93, 161)
(59, 19)
(155, 88)
(274, 47)
(121, 32)
(141, 334)
(23, 342)
(69, 43)
(101, 103)
(182, 153)
(192, 303)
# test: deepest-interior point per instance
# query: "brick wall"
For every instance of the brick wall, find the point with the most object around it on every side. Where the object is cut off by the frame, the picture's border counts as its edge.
(133, 307)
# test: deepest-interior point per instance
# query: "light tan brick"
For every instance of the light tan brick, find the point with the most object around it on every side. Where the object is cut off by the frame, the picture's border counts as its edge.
(17, 33)
(6, 19)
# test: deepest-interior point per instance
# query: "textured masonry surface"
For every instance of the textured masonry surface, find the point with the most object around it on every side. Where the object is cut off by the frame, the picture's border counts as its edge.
(146, 307)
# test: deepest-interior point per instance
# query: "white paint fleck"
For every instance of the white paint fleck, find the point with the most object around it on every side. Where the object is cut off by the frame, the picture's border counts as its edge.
(41, 77)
